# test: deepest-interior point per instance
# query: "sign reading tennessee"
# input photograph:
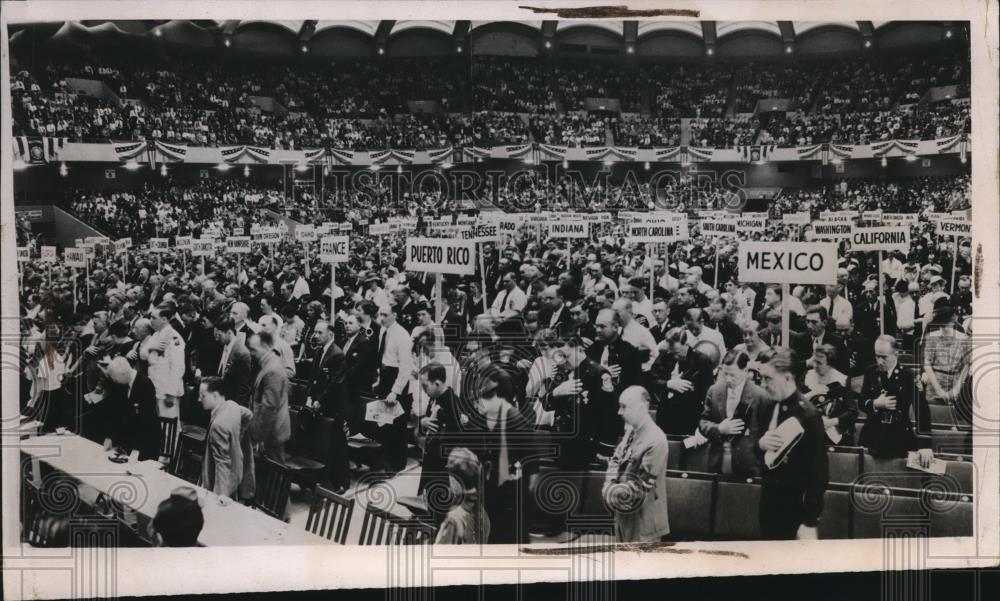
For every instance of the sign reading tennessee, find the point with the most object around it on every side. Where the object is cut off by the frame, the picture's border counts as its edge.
(441, 255)
(788, 262)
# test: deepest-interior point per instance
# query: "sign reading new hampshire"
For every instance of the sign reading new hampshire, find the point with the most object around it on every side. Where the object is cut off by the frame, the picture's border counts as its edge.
(788, 262)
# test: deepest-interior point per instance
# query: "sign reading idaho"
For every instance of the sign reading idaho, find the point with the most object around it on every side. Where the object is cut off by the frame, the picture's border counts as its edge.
(788, 262)
(334, 249)
(441, 255)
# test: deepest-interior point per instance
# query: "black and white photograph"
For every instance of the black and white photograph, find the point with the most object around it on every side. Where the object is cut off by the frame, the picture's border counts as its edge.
(560, 284)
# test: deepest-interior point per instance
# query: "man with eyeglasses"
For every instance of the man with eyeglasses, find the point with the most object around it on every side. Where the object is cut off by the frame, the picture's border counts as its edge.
(554, 314)
(795, 473)
(887, 394)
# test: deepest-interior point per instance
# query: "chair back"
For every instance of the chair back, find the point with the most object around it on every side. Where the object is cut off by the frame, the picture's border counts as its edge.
(168, 444)
(330, 515)
(382, 528)
(274, 483)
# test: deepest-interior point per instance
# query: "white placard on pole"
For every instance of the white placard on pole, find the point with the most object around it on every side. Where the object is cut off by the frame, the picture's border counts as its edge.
(201, 247)
(656, 228)
(159, 245)
(334, 249)
(183, 242)
(441, 255)
(885, 239)
(832, 230)
(23, 254)
(239, 245)
(788, 262)
(305, 233)
(75, 257)
(723, 226)
(751, 223)
(567, 228)
(954, 226)
(48, 254)
(122, 245)
(800, 218)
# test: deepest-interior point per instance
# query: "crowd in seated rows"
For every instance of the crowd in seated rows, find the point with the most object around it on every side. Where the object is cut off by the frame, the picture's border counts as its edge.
(512, 85)
(646, 132)
(759, 82)
(574, 130)
(723, 133)
(498, 129)
(931, 193)
(575, 82)
(689, 91)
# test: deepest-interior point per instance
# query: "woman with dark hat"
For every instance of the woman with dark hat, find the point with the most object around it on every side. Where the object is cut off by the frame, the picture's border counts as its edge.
(467, 522)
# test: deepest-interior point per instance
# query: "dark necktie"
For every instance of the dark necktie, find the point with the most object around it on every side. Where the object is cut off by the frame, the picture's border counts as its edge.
(503, 303)
(381, 345)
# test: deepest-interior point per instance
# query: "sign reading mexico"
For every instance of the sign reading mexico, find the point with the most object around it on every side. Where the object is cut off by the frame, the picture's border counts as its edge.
(788, 262)
(657, 228)
(334, 249)
(441, 255)
(881, 238)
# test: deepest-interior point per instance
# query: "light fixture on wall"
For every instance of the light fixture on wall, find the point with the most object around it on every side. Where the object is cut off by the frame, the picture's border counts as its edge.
(223, 166)
(63, 170)
(246, 170)
(132, 165)
(163, 170)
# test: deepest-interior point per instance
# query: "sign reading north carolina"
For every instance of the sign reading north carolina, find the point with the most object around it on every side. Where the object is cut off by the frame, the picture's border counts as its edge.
(881, 238)
(788, 262)
(658, 228)
(441, 255)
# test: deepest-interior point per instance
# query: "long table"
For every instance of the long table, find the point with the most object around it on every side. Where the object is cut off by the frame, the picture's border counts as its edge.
(141, 486)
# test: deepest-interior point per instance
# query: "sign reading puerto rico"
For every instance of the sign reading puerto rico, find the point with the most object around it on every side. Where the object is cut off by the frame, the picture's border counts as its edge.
(159, 245)
(832, 230)
(954, 226)
(48, 254)
(568, 228)
(202, 247)
(75, 257)
(751, 223)
(334, 249)
(238, 245)
(881, 238)
(441, 255)
(657, 228)
(788, 262)
(721, 226)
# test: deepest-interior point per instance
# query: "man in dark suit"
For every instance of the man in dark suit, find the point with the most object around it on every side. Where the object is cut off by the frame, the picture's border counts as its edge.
(554, 314)
(440, 420)
(680, 377)
(327, 390)
(860, 349)
(135, 421)
(660, 325)
(720, 322)
(360, 369)
(817, 323)
(887, 394)
(271, 425)
(795, 475)
(235, 364)
(454, 323)
(729, 415)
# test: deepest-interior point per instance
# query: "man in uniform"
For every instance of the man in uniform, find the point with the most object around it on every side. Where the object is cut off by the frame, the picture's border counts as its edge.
(635, 486)
(165, 354)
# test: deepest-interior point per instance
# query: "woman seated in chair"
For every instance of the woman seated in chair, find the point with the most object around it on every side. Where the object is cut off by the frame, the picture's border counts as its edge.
(467, 522)
(828, 389)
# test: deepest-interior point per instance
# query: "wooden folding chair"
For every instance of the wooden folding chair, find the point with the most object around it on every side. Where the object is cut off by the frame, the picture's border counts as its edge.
(330, 515)
(383, 528)
(274, 483)
(168, 441)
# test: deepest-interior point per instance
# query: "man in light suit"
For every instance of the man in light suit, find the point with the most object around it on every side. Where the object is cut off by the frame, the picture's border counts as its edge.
(728, 417)
(135, 424)
(636, 482)
(271, 425)
(235, 366)
(227, 469)
(165, 354)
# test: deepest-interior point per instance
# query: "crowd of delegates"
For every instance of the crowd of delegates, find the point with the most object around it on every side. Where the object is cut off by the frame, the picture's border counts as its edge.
(566, 342)
(646, 132)
(760, 82)
(573, 130)
(689, 91)
(942, 193)
(724, 133)
(575, 82)
(499, 129)
(512, 85)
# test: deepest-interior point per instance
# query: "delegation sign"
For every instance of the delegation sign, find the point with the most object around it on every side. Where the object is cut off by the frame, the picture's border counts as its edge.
(441, 255)
(788, 262)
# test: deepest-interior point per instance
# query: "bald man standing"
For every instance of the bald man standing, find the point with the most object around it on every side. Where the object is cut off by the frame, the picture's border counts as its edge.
(135, 423)
(635, 485)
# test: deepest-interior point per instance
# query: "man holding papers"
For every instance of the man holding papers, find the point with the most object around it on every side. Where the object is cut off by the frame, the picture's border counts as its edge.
(793, 452)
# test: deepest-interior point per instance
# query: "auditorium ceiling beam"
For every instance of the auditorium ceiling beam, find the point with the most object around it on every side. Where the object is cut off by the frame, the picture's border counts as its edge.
(549, 36)
(307, 31)
(382, 33)
(461, 34)
(867, 34)
(708, 37)
(787, 30)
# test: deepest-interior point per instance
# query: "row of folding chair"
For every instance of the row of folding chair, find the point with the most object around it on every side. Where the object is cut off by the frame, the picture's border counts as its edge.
(330, 517)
